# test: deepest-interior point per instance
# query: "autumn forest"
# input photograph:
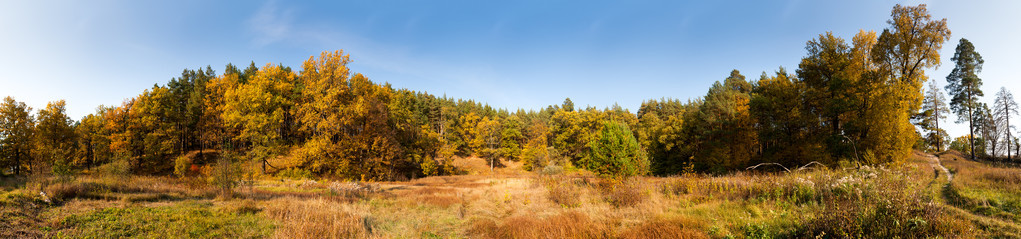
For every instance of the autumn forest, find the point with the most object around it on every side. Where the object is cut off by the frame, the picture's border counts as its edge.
(858, 100)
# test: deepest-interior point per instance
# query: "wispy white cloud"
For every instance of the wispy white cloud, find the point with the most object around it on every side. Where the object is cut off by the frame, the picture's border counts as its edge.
(271, 24)
(275, 24)
(790, 9)
(595, 26)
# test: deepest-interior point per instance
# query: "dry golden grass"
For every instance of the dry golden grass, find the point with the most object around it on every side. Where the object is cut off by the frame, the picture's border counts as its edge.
(570, 224)
(901, 200)
(666, 228)
(562, 190)
(627, 193)
(317, 218)
(244, 206)
(140, 188)
(459, 181)
(443, 201)
(1002, 176)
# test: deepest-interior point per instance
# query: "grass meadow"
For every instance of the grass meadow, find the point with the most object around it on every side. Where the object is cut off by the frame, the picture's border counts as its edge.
(910, 199)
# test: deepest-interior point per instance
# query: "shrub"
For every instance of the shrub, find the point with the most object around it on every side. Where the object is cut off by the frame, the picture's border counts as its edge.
(63, 169)
(616, 153)
(552, 170)
(60, 192)
(119, 168)
(181, 165)
(535, 156)
(226, 175)
(430, 167)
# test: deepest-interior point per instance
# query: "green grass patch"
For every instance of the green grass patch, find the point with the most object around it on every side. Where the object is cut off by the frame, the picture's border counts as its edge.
(189, 219)
(985, 201)
(762, 219)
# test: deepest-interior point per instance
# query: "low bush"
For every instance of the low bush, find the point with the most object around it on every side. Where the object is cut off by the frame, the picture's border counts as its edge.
(60, 192)
(117, 169)
(226, 175)
(182, 166)
(552, 170)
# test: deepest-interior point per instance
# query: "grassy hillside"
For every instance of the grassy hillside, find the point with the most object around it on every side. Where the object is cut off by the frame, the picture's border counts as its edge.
(910, 200)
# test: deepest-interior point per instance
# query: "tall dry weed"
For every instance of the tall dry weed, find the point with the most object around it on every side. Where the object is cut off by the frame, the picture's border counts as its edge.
(883, 203)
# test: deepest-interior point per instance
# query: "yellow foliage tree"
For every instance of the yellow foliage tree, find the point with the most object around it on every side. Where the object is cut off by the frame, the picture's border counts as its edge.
(16, 129)
(262, 110)
(55, 137)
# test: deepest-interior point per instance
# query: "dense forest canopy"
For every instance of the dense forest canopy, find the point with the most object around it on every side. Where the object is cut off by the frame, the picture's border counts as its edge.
(851, 101)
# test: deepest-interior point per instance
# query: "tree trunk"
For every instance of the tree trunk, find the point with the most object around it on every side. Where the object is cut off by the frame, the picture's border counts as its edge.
(30, 163)
(971, 124)
(971, 133)
(939, 139)
(17, 162)
(91, 155)
(1007, 115)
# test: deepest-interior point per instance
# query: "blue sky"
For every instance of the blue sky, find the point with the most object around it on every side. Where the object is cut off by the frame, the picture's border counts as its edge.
(521, 54)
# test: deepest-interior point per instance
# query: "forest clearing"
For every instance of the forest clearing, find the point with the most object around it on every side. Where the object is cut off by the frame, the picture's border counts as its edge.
(846, 144)
(912, 200)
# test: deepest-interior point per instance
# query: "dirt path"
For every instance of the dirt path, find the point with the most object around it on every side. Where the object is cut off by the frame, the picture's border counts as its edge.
(937, 164)
(1008, 228)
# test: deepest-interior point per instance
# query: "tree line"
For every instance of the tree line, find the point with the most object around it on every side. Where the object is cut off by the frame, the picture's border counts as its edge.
(989, 129)
(856, 102)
